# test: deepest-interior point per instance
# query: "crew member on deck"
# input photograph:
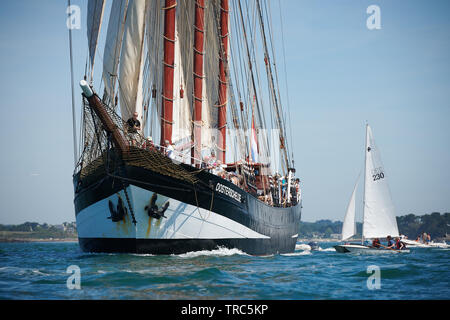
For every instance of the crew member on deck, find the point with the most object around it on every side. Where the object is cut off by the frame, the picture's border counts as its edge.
(171, 151)
(391, 242)
(399, 244)
(376, 243)
(133, 126)
(148, 144)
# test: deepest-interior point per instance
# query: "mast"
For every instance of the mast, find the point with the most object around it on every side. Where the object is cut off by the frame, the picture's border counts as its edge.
(364, 192)
(74, 121)
(169, 65)
(199, 27)
(223, 84)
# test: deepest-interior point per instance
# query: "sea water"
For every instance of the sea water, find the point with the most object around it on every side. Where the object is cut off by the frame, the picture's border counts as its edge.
(51, 271)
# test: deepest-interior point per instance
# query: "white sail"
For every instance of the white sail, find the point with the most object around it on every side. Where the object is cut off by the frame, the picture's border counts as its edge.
(211, 83)
(132, 61)
(379, 214)
(155, 44)
(94, 23)
(113, 45)
(183, 79)
(349, 225)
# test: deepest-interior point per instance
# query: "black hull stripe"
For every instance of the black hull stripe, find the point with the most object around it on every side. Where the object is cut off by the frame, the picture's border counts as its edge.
(179, 246)
(270, 217)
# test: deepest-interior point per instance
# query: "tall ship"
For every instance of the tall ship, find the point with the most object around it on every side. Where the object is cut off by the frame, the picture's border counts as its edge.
(183, 139)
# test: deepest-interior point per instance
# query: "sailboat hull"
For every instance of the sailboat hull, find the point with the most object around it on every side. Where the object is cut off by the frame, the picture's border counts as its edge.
(360, 249)
(174, 217)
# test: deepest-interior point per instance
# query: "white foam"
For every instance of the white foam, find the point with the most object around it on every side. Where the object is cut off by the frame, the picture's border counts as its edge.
(142, 254)
(220, 252)
(302, 247)
(302, 253)
(328, 249)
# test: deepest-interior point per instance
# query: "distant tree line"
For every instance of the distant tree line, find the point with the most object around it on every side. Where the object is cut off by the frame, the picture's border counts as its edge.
(37, 230)
(410, 225)
(435, 224)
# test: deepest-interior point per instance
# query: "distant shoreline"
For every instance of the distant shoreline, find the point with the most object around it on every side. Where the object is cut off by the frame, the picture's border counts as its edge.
(38, 240)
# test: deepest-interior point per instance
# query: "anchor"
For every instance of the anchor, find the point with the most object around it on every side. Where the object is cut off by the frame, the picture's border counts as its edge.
(119, 213)
(153, 210)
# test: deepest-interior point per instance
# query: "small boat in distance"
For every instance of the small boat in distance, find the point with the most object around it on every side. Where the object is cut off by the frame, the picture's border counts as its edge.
(418, 244)
(379, 216)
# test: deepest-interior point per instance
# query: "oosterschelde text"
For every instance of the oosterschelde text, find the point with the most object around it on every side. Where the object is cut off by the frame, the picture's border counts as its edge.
(228, 192)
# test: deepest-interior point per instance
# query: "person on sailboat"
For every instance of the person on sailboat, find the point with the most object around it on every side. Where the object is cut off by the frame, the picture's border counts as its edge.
(133, 126)
(376, 243)
(424, 238)
(171, 151)
(148, 144)
(399, 245)
(391, 242)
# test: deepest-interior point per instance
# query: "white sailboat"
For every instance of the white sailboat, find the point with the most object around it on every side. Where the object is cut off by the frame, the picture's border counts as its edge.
(379, 216)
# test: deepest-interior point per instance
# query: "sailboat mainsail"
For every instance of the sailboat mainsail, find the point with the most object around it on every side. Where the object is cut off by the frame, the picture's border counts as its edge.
(379, 215)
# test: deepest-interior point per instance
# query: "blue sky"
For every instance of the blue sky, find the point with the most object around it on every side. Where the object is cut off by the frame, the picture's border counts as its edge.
(340, 74)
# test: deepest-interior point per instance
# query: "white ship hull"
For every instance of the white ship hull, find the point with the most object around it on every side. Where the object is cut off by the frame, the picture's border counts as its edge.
(181, 221)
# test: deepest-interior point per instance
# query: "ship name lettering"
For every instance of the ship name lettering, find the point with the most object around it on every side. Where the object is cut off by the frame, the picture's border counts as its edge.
(228, 192)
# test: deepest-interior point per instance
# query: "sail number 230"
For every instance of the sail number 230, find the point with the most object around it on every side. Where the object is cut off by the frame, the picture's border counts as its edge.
(378, 176)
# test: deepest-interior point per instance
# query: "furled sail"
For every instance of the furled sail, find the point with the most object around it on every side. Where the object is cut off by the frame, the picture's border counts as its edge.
(183, 78)
(132, 61)
(113, 45)
(349, 225)
(211, 83)
(154, 30)
(94, 23)
(379, 214)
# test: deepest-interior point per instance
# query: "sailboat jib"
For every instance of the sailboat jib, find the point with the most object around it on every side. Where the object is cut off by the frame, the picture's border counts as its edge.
(113, 45)
(379, 214)
(132, 61)
(349, 225)
(94, 23)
